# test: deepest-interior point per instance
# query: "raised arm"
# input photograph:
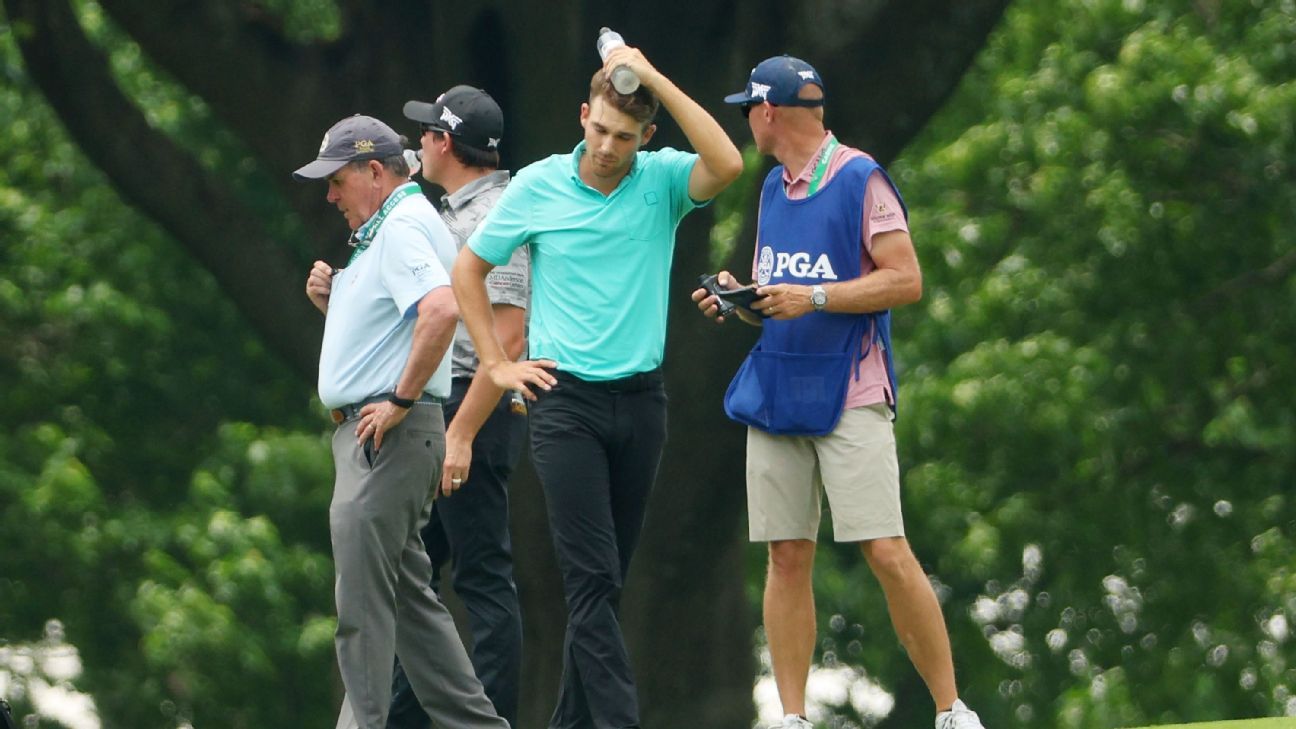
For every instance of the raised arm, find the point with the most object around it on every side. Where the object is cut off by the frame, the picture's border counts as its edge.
(719, 162)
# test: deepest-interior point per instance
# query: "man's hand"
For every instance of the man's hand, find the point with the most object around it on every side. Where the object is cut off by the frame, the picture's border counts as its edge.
(319, 284)
(634, 58)
(377, 418)
(458, 461)
(518, 375)
(707, 303)
(784, 301)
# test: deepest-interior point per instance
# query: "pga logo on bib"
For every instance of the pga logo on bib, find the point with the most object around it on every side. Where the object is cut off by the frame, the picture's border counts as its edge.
(771, 265)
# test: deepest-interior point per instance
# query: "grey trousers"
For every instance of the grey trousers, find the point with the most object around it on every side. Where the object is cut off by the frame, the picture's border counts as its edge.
(384, 605)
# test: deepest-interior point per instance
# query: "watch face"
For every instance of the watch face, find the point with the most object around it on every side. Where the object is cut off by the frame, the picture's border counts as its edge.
(819, 297)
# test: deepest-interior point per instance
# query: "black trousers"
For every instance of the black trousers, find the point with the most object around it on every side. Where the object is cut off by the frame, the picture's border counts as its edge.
(470, 528)
(596, 447)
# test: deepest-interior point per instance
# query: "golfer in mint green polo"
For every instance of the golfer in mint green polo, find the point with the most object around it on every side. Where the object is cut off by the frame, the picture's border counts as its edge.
(600, 224)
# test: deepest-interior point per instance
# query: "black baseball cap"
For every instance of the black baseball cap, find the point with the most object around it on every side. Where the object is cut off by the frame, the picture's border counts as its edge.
(469, 114)
(354, 138)
(778, 80)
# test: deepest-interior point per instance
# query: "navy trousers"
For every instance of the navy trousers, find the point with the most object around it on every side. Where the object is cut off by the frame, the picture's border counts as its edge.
(596, 447)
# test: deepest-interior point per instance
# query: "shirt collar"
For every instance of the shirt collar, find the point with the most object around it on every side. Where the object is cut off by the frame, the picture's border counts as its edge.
(579, 152)
(807, 173)
(363, 230)
(465, 194)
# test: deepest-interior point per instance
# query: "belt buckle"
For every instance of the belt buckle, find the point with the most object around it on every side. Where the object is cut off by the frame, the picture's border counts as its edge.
(338, 416)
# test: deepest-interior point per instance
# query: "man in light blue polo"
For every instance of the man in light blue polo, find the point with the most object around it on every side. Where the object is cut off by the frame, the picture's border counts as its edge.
(390, 317)
(600, 225)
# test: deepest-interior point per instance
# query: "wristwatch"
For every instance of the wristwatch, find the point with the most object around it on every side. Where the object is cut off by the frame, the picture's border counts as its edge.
(818, 297)
(401, 402)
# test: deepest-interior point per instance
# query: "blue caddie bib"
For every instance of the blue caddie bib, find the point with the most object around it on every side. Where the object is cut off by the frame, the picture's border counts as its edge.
(794, 381)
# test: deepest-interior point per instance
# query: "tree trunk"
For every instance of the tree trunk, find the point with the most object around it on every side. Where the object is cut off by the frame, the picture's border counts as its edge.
(888, 65)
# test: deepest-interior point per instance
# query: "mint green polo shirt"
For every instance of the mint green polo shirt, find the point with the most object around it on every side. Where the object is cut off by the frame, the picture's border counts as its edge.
(600, 265)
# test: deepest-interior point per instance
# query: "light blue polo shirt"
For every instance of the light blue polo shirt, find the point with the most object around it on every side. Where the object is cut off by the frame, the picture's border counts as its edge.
(373, 306)
(600, 265)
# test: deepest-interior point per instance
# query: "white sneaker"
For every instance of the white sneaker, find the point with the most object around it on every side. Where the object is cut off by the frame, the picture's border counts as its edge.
(793, 721)
(958, 717)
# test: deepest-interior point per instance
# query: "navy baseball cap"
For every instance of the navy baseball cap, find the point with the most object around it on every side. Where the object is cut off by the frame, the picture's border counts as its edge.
(464, 112)
(777, 80)
(354, 138)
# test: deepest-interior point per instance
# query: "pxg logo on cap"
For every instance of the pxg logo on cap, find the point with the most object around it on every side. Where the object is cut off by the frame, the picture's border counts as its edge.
(778, 80)
(354, 138)
(470, 115)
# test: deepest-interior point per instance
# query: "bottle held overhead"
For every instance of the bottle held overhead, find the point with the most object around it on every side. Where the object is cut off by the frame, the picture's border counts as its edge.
(624, 80)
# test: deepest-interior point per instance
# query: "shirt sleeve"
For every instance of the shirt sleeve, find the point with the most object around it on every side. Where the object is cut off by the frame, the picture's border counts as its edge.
(408, 265)
(883, 212)
(506, 227)
(507, 284)
(675, 167)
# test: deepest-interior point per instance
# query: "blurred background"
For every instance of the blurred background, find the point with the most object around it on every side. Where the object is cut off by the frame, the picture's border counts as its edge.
(1096, 428)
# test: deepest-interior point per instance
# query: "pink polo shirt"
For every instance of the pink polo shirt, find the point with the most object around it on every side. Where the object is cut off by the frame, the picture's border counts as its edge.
(882, 214)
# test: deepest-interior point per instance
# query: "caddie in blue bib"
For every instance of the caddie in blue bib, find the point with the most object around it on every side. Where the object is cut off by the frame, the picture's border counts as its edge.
(794, 381)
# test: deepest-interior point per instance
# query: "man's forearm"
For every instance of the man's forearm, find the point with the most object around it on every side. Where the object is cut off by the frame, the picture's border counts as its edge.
(877, 290)
(483, 394)
(703, 132)
(482, 397)
(433, 332)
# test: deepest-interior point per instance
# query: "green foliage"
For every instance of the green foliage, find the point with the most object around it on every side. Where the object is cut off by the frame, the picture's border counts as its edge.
(184, 549)
(306, 20)
(731, 207)
(1096, 421)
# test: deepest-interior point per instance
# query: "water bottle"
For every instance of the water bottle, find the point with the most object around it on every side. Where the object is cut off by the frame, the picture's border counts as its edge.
(624, 80)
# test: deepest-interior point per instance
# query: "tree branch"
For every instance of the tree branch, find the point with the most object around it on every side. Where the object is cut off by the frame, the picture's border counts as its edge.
(162, 181)
(1275, 272)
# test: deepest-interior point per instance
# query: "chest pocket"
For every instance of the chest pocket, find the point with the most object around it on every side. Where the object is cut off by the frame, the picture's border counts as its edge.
(642, 215)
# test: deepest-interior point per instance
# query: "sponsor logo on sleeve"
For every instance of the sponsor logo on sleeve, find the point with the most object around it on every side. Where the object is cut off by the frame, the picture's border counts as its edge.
(882, 213)
(421, 271)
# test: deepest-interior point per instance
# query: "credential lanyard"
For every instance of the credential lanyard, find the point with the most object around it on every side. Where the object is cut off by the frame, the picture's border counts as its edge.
(816, 181)
(367, 232)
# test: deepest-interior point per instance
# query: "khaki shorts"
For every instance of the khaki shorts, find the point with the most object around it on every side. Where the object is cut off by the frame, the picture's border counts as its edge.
(855, 465)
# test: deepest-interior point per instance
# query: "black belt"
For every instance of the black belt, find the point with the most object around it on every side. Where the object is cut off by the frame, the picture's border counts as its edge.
(638, 382)
(346, 412)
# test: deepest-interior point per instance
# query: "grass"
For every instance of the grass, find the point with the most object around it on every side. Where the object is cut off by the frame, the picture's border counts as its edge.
(1280, 723)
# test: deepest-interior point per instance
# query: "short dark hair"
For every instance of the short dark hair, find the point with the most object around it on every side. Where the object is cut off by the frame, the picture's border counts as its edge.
(394, 164)
(641, 105)
(470, 156)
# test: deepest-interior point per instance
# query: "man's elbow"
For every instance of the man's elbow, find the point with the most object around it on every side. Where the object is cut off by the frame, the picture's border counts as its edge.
(914, 290)
(439, 307)
(729, 167)
(514, 346)
(468, 268)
